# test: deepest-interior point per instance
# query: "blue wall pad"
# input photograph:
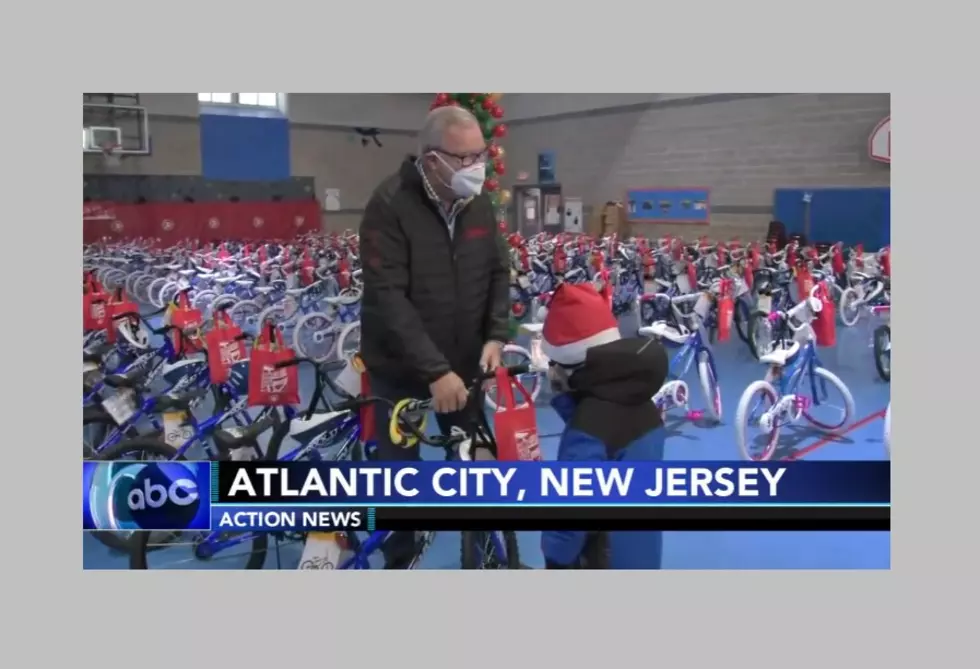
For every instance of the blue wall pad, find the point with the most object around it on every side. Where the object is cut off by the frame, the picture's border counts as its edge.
(849, 215)
(244, 148)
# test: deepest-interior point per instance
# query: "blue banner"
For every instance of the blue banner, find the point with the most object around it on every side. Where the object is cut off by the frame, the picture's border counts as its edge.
(345, 484)
(668, 205)
(146, 495)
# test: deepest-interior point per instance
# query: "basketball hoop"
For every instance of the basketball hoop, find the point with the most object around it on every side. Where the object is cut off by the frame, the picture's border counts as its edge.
(110, 154)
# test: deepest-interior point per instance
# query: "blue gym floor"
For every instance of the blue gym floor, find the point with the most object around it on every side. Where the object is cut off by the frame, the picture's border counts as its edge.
(851, 360)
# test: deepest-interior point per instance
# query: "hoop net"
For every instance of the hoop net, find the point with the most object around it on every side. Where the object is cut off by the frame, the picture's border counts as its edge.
(110, 154)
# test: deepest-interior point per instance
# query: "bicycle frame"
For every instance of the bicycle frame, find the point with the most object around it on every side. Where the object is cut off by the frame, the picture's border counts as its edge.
(689, 352)
(804, 363)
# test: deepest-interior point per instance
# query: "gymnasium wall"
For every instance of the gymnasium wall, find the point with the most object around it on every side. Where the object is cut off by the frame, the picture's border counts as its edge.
(742, 147)
(322, 143)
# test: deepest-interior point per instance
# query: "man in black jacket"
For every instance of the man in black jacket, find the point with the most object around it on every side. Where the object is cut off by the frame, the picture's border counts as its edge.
(436, 305)
(436, 284)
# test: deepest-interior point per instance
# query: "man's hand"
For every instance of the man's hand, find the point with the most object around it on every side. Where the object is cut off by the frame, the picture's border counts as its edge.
(448, 393)
(490, 358)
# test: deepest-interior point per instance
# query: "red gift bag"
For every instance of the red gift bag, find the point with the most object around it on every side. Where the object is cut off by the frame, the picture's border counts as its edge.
(189, 321)
(515, 427)
(224, 348)
(267, 385)
(95, 312)
(726, 311)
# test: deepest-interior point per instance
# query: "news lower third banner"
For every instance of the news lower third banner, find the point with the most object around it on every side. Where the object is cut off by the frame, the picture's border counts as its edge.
(301, 497)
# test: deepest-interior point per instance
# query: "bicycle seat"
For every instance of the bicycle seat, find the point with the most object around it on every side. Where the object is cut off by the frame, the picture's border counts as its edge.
(263, 290)
(175, 265)
(231, 438)
(225, 280)
(301, 426)
(663, 330)
(244, 282)
(178, 402)
(131, 378)
(861, 276)
(533, 329)
(295, 292)
(187, 272)
(781, 355)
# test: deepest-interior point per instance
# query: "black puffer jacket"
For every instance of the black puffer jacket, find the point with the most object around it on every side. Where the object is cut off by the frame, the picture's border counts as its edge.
(430, 301)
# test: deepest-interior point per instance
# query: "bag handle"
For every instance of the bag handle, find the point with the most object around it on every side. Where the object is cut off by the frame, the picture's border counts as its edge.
(505, 390)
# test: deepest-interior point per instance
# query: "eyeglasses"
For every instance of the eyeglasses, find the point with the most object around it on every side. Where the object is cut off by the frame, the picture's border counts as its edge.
(465, 160)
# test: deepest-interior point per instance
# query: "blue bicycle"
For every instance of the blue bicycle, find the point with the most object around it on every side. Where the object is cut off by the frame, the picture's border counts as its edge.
(685, 332)
(796, 386)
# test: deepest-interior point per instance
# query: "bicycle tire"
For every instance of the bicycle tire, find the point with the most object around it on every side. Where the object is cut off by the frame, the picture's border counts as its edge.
(882, 334)
(754, 324)
(471, 555)
(741, 422)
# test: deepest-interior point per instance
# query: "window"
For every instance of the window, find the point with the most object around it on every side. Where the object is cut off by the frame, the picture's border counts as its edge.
(270, 100)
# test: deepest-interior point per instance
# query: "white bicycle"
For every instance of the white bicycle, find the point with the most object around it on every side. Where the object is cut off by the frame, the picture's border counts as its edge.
(795, 386)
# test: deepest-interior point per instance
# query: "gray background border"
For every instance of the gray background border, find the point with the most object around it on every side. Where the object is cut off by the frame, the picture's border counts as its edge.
(58, 614)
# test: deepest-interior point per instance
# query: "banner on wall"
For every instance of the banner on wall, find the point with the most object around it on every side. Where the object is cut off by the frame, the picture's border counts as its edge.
(172, 222)
(880, 142)
(669, 205)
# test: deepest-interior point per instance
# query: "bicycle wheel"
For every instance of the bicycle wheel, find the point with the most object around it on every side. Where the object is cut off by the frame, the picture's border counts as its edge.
(758, 398)
(710, 389)
(883, 352)
(348, 341)
(313, 337)
(245, 314)
(833, 418)
(742, 317)
(760, 334)
(482, 550)
(849, 309)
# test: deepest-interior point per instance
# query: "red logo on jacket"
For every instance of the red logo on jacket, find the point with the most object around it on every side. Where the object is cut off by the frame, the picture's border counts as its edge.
(476, 233)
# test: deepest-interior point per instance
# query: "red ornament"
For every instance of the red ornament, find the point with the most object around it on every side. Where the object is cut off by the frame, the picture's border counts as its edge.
(491, 185)
(500, 130)
(498, 167)
(497, 112)
(488, 105)
(493, 150)
(441, 99)
(502, 226)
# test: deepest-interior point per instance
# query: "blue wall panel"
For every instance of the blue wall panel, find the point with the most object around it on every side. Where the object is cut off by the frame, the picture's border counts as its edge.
(849, 215)
(244, 148)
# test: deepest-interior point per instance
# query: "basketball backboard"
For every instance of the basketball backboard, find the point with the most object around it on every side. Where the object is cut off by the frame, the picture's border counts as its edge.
(130, 121)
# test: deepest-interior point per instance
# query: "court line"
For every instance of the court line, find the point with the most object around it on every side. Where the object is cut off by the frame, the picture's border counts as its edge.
(832, 439)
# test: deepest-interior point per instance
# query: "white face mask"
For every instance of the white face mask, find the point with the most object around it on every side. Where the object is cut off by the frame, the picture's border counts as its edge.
(467, 181)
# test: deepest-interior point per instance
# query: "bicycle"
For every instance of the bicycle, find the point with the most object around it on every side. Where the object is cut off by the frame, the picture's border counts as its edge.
(692, 346)
(790, 361)
(497, 549)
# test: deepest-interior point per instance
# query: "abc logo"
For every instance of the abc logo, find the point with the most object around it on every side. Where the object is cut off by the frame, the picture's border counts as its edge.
(161, 496)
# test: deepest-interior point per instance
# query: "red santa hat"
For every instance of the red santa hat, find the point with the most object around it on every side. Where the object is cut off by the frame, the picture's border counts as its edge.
(578, 319)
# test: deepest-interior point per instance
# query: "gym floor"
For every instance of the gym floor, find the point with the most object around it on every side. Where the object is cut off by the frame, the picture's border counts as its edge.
(851, 359)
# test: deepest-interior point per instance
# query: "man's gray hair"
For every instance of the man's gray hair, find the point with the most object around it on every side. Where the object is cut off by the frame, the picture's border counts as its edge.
(438, 121)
